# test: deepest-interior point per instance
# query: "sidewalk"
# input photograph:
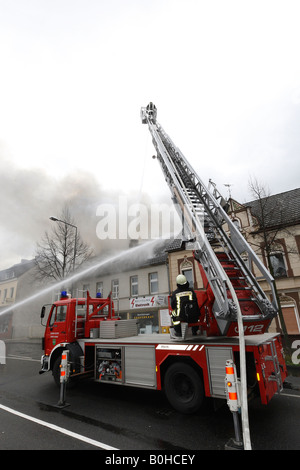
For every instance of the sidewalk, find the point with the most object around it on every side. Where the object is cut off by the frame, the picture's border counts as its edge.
(23, 340)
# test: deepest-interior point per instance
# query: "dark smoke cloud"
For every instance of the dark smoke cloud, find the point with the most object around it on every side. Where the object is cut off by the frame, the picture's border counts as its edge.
(30, 197)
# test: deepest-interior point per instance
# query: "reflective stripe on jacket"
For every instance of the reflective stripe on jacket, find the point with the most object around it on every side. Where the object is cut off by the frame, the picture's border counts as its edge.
(180, 297)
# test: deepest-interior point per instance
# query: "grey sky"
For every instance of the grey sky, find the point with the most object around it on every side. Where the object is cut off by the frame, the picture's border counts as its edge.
(224, 76)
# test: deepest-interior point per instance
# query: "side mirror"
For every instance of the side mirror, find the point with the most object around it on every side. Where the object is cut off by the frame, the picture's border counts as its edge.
(46, 309)
(43, 311)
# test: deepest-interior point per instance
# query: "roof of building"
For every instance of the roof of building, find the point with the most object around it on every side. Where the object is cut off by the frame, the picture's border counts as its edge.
(281, 209)
(137, 257)
(16, 270)
(174, 245)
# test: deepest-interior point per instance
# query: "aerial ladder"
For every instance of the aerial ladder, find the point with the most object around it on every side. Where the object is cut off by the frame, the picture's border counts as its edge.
(230, 269)
(235, 304)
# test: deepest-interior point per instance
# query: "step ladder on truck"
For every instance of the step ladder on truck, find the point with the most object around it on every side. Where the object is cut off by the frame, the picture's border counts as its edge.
(234, 313)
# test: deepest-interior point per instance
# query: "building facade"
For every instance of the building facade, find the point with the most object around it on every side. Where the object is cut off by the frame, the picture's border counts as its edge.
(139, 290)
(21, 298)
(271, 225)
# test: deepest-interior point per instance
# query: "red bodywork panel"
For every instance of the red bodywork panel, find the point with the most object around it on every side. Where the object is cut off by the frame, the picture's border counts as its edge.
(264, 367)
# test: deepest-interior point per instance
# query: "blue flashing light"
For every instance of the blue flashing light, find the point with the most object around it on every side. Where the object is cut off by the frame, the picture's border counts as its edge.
(64, 294)
(98, 295)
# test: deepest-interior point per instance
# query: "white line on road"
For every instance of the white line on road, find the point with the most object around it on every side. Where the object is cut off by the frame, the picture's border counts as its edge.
(22, 358)
(289, 395)
(58, 429)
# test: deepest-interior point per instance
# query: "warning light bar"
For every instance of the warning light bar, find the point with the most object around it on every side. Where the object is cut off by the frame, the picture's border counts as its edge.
(64, 295)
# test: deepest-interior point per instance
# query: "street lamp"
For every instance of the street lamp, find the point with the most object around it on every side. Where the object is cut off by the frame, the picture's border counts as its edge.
(55, 219)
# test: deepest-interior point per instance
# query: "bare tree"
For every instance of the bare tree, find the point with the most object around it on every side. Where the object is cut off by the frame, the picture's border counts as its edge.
(272, 218)
(62, 250)
(269, 216)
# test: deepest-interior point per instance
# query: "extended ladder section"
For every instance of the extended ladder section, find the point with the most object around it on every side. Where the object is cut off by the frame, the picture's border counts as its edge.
(229, 263)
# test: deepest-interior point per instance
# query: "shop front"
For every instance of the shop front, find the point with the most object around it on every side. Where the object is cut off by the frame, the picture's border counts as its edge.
(151, 312)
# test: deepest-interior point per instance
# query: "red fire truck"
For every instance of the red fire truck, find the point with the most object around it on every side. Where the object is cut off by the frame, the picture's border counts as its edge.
(107, 349)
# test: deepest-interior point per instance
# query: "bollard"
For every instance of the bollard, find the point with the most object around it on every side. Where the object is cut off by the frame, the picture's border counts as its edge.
(64, 375)
(233, 401)
(2, 353)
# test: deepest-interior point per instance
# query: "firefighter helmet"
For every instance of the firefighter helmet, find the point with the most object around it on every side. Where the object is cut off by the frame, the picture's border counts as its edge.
(181, 280)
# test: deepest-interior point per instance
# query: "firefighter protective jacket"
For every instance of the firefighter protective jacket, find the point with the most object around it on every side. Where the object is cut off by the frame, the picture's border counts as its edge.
(184, 305)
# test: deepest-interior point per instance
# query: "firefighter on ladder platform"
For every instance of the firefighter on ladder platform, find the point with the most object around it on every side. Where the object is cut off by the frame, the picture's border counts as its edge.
(184, 306)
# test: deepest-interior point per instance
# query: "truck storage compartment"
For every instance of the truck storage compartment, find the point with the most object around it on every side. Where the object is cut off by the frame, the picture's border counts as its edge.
(140, 366)
(108, 364)
(118, 328)
(126, 364)
(216, 361)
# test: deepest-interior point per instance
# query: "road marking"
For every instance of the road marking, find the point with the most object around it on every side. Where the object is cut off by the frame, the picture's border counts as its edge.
(289, 395)
(59, 429)
(22, 358)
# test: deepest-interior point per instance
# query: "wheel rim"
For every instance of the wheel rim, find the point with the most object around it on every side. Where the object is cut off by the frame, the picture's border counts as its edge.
(183, 387)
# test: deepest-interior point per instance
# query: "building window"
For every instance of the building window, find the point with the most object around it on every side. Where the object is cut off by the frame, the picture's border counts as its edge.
(186, 268)
(237, 223)
(115, 288)
(278, 264)
(99, 288)
(58, 314)
(134, 288)
(9, 275)
(188, 273)
(153, 283)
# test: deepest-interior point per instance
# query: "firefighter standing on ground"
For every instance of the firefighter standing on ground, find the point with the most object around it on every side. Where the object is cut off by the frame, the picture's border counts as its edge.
(184, 305)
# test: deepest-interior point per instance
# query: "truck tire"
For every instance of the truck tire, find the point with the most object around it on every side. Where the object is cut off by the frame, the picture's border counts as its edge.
(183, 388)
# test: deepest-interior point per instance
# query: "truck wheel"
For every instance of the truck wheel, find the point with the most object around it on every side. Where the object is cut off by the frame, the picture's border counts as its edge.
(184, 388)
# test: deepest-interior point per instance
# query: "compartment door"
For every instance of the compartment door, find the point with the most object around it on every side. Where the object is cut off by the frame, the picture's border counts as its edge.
(140, 366)
(216, 362)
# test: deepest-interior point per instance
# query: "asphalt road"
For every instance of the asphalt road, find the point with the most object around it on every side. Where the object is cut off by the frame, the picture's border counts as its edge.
(111, 417)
